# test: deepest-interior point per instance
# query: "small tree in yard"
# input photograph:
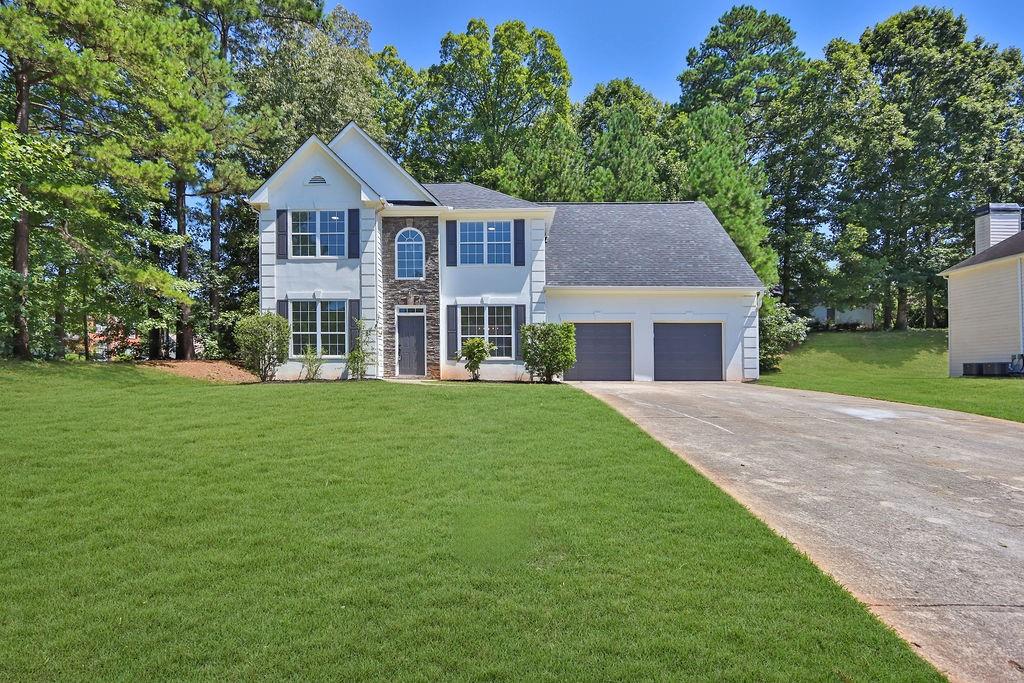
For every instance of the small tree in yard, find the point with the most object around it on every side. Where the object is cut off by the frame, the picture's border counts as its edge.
(262, 343)
(780, 330)
(549, 349)
(475, 351)
(312, 361)
(358, 357)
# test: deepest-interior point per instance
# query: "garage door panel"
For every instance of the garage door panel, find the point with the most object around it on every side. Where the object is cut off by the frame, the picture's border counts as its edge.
(603, 352)
(687, 351)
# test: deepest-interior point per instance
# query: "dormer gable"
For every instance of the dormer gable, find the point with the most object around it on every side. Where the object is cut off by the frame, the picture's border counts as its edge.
(313, 167)
(378, 167)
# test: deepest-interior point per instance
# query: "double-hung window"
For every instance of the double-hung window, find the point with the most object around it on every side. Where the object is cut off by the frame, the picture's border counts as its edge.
(493, 323)
(318, 233)
(485, 242)
(320, 325)
(409, 255)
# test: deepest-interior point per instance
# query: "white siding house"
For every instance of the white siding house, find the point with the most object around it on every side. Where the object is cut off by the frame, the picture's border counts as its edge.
(986, 292)
(656, 290)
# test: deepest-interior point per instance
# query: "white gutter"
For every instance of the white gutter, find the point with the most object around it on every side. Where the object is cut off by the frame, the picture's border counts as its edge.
(652, 288)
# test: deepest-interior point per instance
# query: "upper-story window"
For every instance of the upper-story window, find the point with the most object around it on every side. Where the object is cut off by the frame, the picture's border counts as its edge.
(409, 254)
(485, 242)
(318, 233)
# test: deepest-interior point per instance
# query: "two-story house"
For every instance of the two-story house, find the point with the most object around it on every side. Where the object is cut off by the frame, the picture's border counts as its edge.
(657, 291)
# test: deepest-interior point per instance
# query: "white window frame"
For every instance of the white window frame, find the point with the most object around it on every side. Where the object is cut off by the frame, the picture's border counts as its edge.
(423, 241)
(487, 241)
(318, 333)
(316, 235)
(487, 333)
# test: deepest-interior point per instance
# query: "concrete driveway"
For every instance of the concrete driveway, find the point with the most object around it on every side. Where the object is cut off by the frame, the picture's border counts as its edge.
(919, 512)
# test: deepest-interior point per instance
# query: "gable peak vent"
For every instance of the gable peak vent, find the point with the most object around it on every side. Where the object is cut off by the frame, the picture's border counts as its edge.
(317, 180)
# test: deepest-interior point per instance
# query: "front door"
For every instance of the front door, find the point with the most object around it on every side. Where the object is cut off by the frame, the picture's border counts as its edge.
(412, 357)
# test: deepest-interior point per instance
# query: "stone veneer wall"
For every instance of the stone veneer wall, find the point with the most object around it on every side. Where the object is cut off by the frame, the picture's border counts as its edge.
(425, 292)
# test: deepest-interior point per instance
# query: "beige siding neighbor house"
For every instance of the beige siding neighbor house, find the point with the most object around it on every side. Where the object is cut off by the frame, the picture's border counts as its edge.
(986, 296)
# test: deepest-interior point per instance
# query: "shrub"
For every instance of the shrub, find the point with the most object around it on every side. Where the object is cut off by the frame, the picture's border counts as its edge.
(475, 351)
(312, 361)
(262, 343)
(549, 349)
(359, 356)
(781, 329)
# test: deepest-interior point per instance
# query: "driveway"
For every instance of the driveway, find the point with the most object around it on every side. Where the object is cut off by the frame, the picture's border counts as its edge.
(919, 512)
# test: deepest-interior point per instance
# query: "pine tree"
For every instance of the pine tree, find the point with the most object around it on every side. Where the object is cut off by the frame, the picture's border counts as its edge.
(624, 162)
(718, 174)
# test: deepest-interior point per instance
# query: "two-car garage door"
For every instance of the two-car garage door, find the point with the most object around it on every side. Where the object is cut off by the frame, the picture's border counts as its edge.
(682, 351)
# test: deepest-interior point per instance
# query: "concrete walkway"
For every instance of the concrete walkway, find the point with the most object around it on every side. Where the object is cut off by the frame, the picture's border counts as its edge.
(918, 511)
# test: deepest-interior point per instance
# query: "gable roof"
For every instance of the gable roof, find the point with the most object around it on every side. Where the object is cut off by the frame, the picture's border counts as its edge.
(470, 196)
(1011, 246)
(260, 195)
(354, 128)
(667, 244)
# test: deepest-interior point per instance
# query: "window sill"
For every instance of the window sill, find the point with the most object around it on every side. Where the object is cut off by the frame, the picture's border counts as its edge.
(317, 258)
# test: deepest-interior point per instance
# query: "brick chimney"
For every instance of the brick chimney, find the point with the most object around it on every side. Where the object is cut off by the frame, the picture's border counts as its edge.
(993, 223)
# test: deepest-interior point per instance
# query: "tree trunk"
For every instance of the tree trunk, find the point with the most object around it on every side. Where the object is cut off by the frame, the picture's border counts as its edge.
(887, 306)
(929, 305)
(85, 313)
(901, 308)
(59, 310)
(21, 226)
(156, 336)
(186, 335)
(215, 260)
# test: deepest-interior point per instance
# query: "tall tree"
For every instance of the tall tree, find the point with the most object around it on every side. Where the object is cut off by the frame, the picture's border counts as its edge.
(552, 166)
(485, 95)
(746, 61)
(625, 159)
(718, 174)
(110, 81)
(936, 124)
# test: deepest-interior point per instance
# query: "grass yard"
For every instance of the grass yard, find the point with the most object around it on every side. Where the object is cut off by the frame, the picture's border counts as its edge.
(157, 527)
(908, 367)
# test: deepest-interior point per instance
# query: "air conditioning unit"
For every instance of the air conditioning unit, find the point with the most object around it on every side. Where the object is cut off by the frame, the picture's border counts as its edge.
(995, 369)
(972, 369)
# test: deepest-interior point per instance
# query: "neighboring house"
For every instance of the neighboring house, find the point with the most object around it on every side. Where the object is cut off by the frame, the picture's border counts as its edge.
(656, 290)
(863, 316)
(986, 293)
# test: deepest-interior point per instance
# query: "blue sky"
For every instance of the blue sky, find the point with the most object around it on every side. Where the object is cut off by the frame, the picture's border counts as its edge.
(648, 41)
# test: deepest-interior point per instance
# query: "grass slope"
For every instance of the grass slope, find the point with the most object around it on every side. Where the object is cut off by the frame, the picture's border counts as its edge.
(908, 367)
(159, 527)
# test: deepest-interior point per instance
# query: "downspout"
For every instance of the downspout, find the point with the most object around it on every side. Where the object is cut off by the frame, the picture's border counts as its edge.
(1020, 301)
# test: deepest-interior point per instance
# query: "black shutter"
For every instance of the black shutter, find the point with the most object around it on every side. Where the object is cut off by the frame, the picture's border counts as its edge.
(519, 241)
(453, 332)
(353, 233)
(282, 233)
(520, 320)
(282, 308)
(451, 243)
(353, 316)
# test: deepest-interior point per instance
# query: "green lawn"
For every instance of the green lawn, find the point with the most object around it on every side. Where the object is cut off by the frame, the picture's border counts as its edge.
(159, 527)
(909, 367)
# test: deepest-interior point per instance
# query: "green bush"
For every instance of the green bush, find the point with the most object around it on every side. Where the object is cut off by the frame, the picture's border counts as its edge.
(780, 329)
(312, 361)
(359, 356)
(549, 349)
(262, 343)
(475, 351)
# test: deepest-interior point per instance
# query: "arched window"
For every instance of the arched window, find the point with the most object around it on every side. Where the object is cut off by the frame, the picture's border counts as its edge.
(409, 254)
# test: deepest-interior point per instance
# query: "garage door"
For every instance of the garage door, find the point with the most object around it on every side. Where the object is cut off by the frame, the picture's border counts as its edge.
(602, 352)
(687, 351)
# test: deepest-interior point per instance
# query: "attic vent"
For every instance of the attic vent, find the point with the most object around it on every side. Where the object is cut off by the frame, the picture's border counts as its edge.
(317, 180)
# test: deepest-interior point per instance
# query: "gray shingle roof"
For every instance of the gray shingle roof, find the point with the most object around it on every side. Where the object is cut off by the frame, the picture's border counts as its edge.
(470, 196)
(1011, 246)
(670, 244)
